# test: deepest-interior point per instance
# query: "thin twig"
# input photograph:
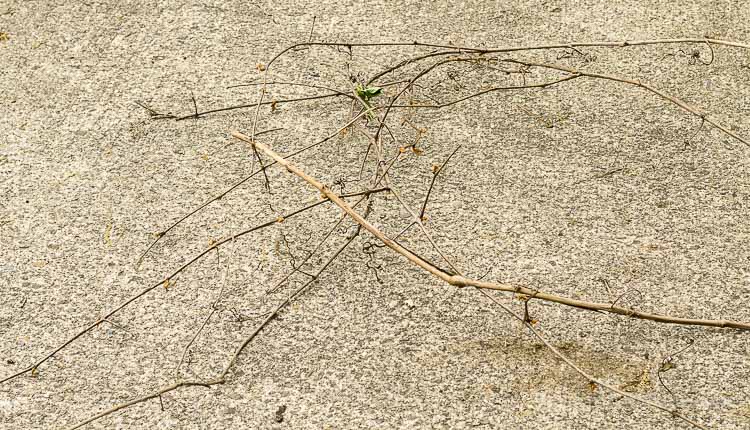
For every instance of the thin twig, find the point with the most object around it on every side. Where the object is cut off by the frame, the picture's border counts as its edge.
(242, 181)
(147, 290)
(256, 104)
(154, 114)
(636, 82)
(528, 324)
(195, 104)
(296, 84)
(312, 28)
(434, 178)
(157, 393)
(486, 91)
(255, 127)
(285, 302)
(602, 44)
(214, 308)
(667, 363)
(417, 219)
(222, 378)
(314, 251)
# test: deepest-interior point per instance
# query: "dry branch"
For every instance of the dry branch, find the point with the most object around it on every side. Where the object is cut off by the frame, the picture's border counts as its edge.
(153, 395)
(568, 45)
(462, 281)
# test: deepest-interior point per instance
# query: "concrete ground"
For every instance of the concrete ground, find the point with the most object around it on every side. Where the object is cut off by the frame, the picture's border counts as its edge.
(588, 189)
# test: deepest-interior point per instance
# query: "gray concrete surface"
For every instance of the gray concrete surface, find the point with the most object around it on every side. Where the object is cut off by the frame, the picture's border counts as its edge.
(87, 179)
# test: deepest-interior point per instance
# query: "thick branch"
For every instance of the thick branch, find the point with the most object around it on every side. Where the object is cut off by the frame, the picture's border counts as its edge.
(462, 281)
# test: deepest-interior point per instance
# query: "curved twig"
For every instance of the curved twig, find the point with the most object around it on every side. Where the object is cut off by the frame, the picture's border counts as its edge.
(153, 395)
(570, 45)
(636, 82)
(529, 325)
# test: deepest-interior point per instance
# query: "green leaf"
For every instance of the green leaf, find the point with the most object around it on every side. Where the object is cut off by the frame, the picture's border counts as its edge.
(367, 93)
(371, 92)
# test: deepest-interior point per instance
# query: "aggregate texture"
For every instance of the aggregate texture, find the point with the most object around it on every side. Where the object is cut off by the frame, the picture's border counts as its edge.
(589, 189)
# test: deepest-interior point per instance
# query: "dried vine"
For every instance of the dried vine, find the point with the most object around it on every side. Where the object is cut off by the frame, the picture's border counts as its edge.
(373, 119)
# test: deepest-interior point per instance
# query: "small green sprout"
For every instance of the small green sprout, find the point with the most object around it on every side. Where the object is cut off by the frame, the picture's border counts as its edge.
(366, 94)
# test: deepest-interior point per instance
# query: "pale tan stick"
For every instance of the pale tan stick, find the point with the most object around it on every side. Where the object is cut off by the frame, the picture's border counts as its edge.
(376, 182)
(572, 365)
(417, 260)
(462, 281)
(681, 103)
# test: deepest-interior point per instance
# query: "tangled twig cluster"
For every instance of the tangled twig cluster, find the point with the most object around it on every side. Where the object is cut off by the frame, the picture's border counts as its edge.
(373, 103)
